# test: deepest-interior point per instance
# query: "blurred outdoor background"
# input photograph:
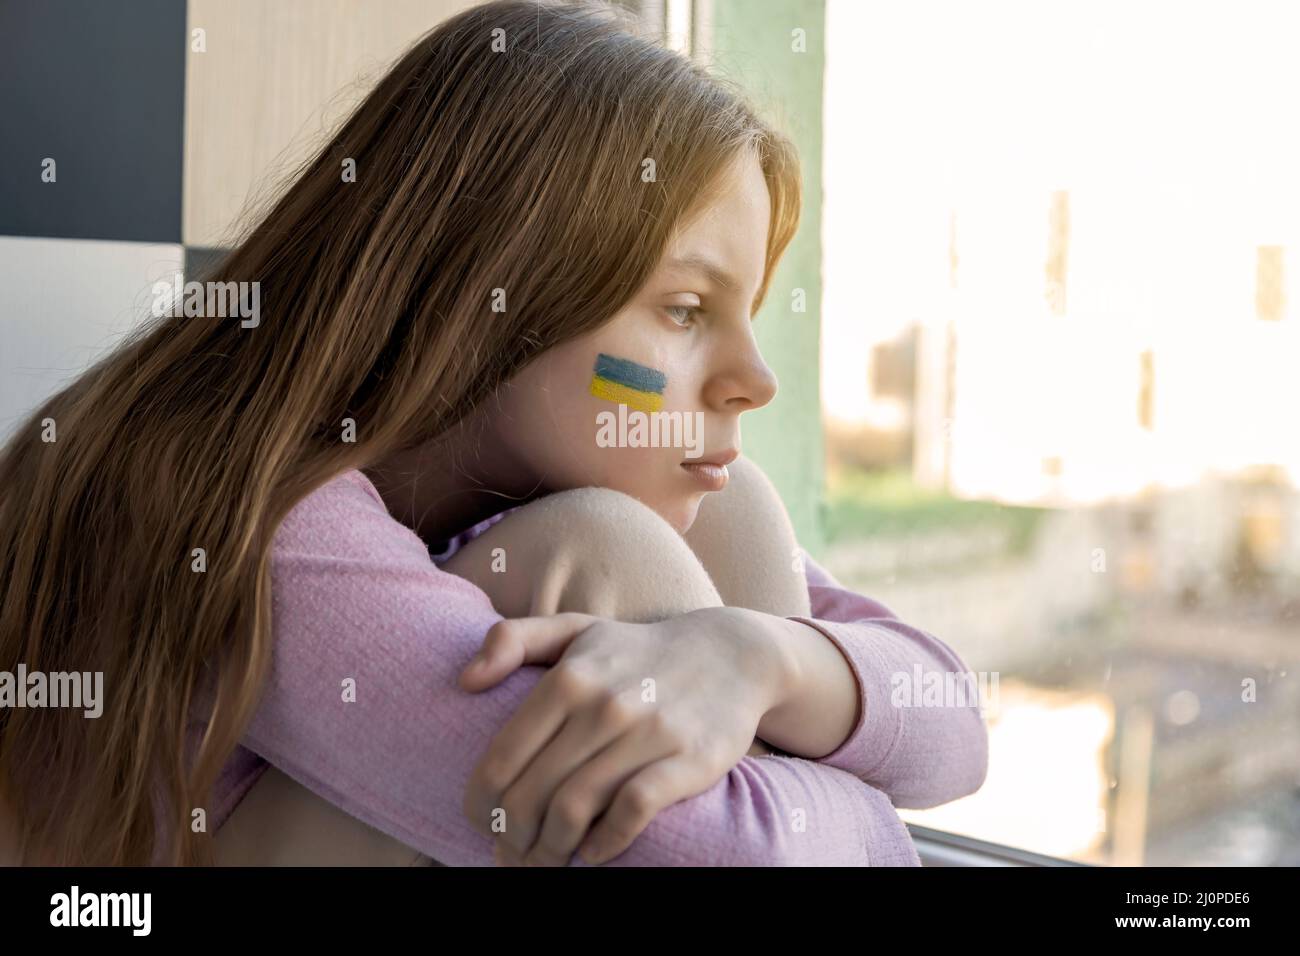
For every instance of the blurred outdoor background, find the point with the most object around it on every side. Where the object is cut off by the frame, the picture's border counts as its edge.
(1059, 374)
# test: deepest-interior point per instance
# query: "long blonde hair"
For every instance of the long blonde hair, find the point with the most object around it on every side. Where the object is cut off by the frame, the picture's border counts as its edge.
(476, 170)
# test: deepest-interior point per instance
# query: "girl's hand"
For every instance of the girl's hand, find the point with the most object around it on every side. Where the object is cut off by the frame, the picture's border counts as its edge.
(630, 719)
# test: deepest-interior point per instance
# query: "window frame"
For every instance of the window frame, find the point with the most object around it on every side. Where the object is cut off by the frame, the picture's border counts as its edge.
(941, 848)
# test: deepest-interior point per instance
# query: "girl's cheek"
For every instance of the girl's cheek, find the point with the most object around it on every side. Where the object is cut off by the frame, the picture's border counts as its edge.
(620, 380)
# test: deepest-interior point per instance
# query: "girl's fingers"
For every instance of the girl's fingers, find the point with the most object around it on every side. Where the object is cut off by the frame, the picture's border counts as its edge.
(527, 732)
(587, 794)
(578, 741)
(512, 643)
(504, 856)
(659, 785)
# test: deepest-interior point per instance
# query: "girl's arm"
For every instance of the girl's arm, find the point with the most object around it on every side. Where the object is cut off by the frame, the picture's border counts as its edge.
(841, 714)
(362, 707)
(920, 756)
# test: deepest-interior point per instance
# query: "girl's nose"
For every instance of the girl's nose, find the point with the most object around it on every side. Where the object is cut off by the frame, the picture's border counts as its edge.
(742, 382)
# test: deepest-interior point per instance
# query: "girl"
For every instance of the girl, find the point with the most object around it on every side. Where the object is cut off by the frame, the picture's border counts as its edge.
(551, 218)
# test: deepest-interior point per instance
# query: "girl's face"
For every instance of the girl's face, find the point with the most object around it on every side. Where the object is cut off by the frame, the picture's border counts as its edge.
(649, 404)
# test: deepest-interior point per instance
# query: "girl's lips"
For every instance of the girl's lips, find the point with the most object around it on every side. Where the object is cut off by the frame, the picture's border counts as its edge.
(708, 476)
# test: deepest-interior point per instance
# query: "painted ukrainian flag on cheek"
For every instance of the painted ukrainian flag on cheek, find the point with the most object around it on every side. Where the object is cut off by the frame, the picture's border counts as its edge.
(626, 383)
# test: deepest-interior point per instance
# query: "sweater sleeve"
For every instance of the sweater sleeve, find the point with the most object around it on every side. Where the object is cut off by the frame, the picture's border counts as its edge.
(362, 707)
(920, 756)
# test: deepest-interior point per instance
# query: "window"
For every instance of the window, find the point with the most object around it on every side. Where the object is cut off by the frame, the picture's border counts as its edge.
(1093, 495)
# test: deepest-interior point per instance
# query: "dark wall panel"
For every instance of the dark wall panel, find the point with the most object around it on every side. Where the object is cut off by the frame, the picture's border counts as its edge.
(100, 88)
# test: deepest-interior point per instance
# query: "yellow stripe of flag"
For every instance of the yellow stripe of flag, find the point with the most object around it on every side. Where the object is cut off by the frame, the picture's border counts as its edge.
(621, 394)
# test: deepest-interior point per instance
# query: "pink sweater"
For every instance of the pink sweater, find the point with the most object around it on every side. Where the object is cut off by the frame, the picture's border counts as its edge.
(357, 595)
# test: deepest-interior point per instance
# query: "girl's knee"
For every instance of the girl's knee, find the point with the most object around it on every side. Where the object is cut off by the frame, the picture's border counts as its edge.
(744, 537)
(613, 556)
(592, 550)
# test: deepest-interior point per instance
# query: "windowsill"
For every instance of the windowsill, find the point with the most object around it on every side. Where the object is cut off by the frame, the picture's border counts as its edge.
(937, 848)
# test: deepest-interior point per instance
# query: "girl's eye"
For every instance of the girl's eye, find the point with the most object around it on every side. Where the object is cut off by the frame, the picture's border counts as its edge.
(683, 315)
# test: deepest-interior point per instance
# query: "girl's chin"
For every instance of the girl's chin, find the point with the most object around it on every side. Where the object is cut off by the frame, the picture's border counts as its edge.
(679, 510)
(683, 513)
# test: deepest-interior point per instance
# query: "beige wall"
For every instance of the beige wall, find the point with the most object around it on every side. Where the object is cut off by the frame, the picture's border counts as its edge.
(276, 78)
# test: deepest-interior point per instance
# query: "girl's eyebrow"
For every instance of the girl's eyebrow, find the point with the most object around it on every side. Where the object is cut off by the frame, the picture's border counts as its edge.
(695, 262)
